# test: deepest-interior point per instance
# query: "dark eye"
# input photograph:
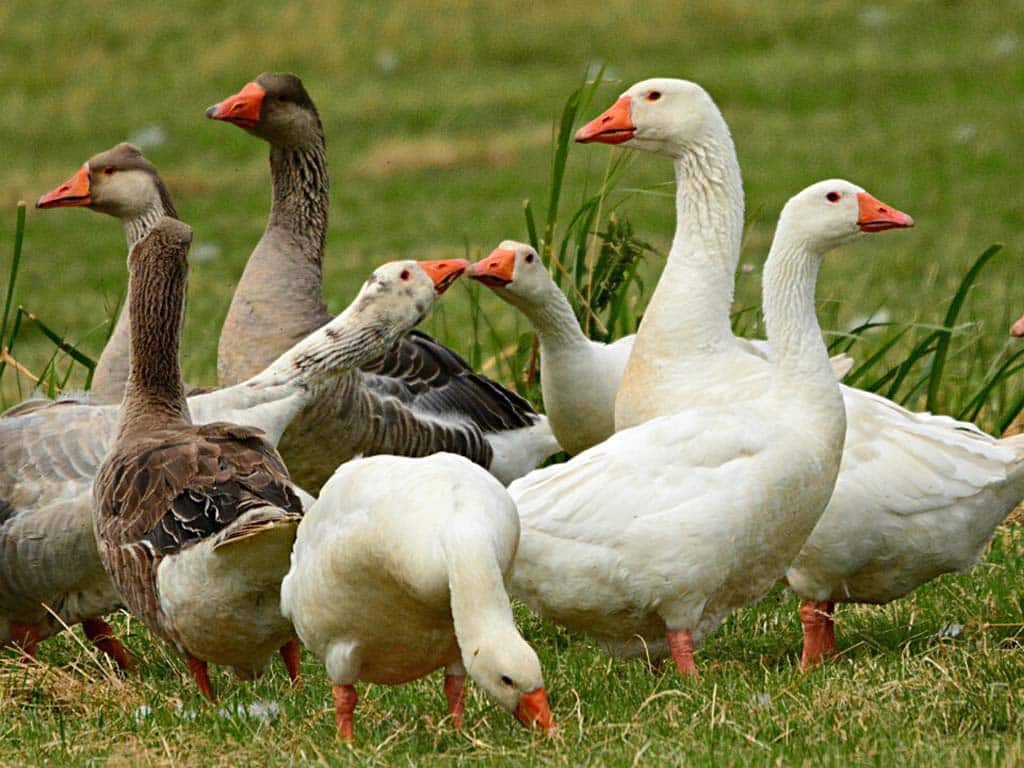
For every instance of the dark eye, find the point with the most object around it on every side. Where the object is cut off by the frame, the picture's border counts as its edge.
(506, 680)
(281, 98)
(529, 258)
(109, 170)
(833, 197)
(653, 95)
(405, 274)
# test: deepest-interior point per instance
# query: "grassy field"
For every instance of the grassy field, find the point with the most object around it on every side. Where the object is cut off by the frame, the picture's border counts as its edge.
(439, 124)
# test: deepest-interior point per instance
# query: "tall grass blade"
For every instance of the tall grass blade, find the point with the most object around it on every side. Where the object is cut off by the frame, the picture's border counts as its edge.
(945, 335)
(19, 238)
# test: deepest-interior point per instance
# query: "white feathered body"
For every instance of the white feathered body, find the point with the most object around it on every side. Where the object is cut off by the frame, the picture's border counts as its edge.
(368, 590)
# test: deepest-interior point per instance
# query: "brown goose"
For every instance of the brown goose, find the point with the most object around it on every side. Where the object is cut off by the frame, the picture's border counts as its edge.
(122, 183)
(51, 452)
(420, 397)
(194, 523)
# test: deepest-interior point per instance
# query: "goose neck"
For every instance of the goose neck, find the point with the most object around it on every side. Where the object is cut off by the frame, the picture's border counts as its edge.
(481, 610)
(156, 299)
(301, 196)
(691, 303)
(791, 324)
(138, 226)
(552, 318)
(348, 341)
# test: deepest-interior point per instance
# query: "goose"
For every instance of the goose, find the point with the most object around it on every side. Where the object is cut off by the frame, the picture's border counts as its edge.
(579, 377)
(660, 532)
(419, 398)
(119, 182)
(51, 575)
(388, 587)
(195, 523)
(918, 495)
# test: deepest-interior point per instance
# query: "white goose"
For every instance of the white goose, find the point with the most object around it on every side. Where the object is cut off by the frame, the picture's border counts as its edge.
(666, 528)
(579, 377)
(50, 454)
(917, 495)
(399, 568)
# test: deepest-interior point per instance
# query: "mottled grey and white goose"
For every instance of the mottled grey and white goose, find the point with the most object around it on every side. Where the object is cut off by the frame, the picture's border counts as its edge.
(122, 183)
(50, 453)
(420, 397)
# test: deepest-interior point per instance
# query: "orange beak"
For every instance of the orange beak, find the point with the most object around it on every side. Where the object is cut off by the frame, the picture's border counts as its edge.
(443, 272)
(613, 126)
(876, 216)
(74, 191)
(1017, 329)
(533, 710)
(496, 270)
(242, 109)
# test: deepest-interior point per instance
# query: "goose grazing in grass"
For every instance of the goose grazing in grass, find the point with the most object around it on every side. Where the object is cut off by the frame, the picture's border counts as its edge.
(386, 587)
(420, 397)
(579, 377)
(122, 183)
(917, 495)
(664, 529)
(195, 523)
(51, 575)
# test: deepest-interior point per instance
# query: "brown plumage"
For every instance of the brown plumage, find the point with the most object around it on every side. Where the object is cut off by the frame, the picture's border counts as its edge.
(172, 499)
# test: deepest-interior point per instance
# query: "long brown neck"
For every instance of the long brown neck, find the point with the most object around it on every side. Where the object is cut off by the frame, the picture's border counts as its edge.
(111, 373)
(301, 195)
(279, 299)
(155, 395)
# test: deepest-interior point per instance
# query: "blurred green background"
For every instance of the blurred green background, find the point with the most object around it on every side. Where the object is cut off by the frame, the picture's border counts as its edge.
(438, 120)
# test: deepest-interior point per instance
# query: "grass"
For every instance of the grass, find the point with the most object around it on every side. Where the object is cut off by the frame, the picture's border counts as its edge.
(439, 126)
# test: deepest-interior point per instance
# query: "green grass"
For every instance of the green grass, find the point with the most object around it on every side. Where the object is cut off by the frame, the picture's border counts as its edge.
(920, 102)
(907, 689)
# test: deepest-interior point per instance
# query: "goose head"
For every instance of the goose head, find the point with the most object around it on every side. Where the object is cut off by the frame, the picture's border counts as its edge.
(831, 213)
(400, 294)
(509, 671)
(119, 182)
(516, 269)
(275, 107)
(661, 115)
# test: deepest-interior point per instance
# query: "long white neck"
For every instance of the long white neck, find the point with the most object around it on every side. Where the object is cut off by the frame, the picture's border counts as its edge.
(481, 610)
(552, 318)
(802, 364)
(689, 311)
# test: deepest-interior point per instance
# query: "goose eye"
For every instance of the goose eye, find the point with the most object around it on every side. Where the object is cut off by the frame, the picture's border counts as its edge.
(109, 170)
(529, 258)
(506, 680)
(404, 275)
(653, 95)
(833, 197)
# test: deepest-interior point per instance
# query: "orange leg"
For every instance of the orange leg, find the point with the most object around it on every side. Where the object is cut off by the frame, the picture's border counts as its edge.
(102, 636)
(680, 643)
(455, 692)
(199, 672)
(292, 655)
(25, 636)
(345, 699)
(819, 632)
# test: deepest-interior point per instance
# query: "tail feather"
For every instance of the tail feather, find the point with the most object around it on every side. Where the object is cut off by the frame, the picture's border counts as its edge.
(255, 523)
